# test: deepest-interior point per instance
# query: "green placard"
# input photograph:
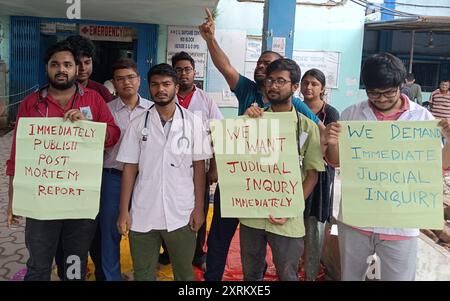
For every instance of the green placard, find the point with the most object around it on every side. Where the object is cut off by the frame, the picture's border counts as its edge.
(58, 168)
(258, 166)
(391, 174)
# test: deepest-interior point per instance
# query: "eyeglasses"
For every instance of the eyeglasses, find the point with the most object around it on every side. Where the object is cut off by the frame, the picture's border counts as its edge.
(279, 82)
(376, 95)
(123, 79)
(186, 70)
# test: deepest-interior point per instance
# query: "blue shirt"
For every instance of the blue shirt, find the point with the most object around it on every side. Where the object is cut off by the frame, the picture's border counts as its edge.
(247, 92)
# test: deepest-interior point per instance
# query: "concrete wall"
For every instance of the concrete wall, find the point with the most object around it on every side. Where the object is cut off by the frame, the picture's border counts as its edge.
(331, 29)
(426, 9)
(335, 32)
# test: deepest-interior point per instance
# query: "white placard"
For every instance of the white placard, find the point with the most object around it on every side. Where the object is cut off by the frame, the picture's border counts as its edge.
(326, 61)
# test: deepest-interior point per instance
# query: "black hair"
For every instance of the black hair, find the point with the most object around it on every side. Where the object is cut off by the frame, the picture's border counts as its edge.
(272, 52)
(285, 65)
(182, 56)
(162, 69)
(84, 46)
(59, 47)
(382, 71)
(444, 81)
(410, 77)
(317, 74)
(124, 63)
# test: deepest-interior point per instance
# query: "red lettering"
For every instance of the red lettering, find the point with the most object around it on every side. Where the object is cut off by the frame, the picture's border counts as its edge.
(41, 190)
(36, 143)
(42, 157)
(233, 170)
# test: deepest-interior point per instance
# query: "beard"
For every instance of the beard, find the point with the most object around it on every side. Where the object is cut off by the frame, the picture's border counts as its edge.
(62, 85)
(186, 86)
(163, 103)
(258, 77)
(280, 101)
(386, 109)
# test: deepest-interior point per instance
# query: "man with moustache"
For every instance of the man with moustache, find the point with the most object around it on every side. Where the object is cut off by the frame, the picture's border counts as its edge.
(249, 93)
(63, 97)
(86, 53)
(200, 103)
(282, 234)
(168, 145)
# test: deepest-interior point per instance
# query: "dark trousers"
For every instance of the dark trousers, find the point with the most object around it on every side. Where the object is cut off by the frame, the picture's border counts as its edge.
(95, 251)
(219, 240)
(199, 255)
(41, 240)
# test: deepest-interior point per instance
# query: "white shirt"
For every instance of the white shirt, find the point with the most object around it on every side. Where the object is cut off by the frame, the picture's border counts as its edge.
(122, 116)
(163, 196)
(362, 111)
(204, 106)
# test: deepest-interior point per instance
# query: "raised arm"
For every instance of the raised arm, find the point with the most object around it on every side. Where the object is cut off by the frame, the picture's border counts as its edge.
(218, 57)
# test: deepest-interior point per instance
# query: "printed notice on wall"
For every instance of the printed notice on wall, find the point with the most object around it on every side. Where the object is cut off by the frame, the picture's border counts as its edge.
(187, 39)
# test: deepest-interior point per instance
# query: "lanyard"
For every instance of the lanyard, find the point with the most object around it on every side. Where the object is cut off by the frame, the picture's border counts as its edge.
(40, 100)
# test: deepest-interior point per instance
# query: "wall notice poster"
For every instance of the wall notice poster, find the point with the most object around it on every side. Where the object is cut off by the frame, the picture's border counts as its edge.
(258, 166)
(391, 174)
(188, 39)
(58, 168)
(326, 61)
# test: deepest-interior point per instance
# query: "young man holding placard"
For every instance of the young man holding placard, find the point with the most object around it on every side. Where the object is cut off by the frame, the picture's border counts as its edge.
(64, 98)
(396, 248)
(284, 235)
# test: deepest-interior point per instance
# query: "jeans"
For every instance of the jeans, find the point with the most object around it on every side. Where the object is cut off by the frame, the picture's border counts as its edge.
(219, 239)
(110, 236)
(41, 240)
(94, 251)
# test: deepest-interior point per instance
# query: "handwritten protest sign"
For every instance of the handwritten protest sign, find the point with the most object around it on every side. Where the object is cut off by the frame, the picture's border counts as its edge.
(391, 174)
(58, 168)
(258, 166)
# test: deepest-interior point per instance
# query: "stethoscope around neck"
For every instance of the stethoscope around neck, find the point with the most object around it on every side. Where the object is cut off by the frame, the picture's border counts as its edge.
(145, 131)
(40, 100)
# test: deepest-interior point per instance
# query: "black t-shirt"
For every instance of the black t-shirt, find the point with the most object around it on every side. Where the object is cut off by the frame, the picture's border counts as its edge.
(328, 114)
(320, 202)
